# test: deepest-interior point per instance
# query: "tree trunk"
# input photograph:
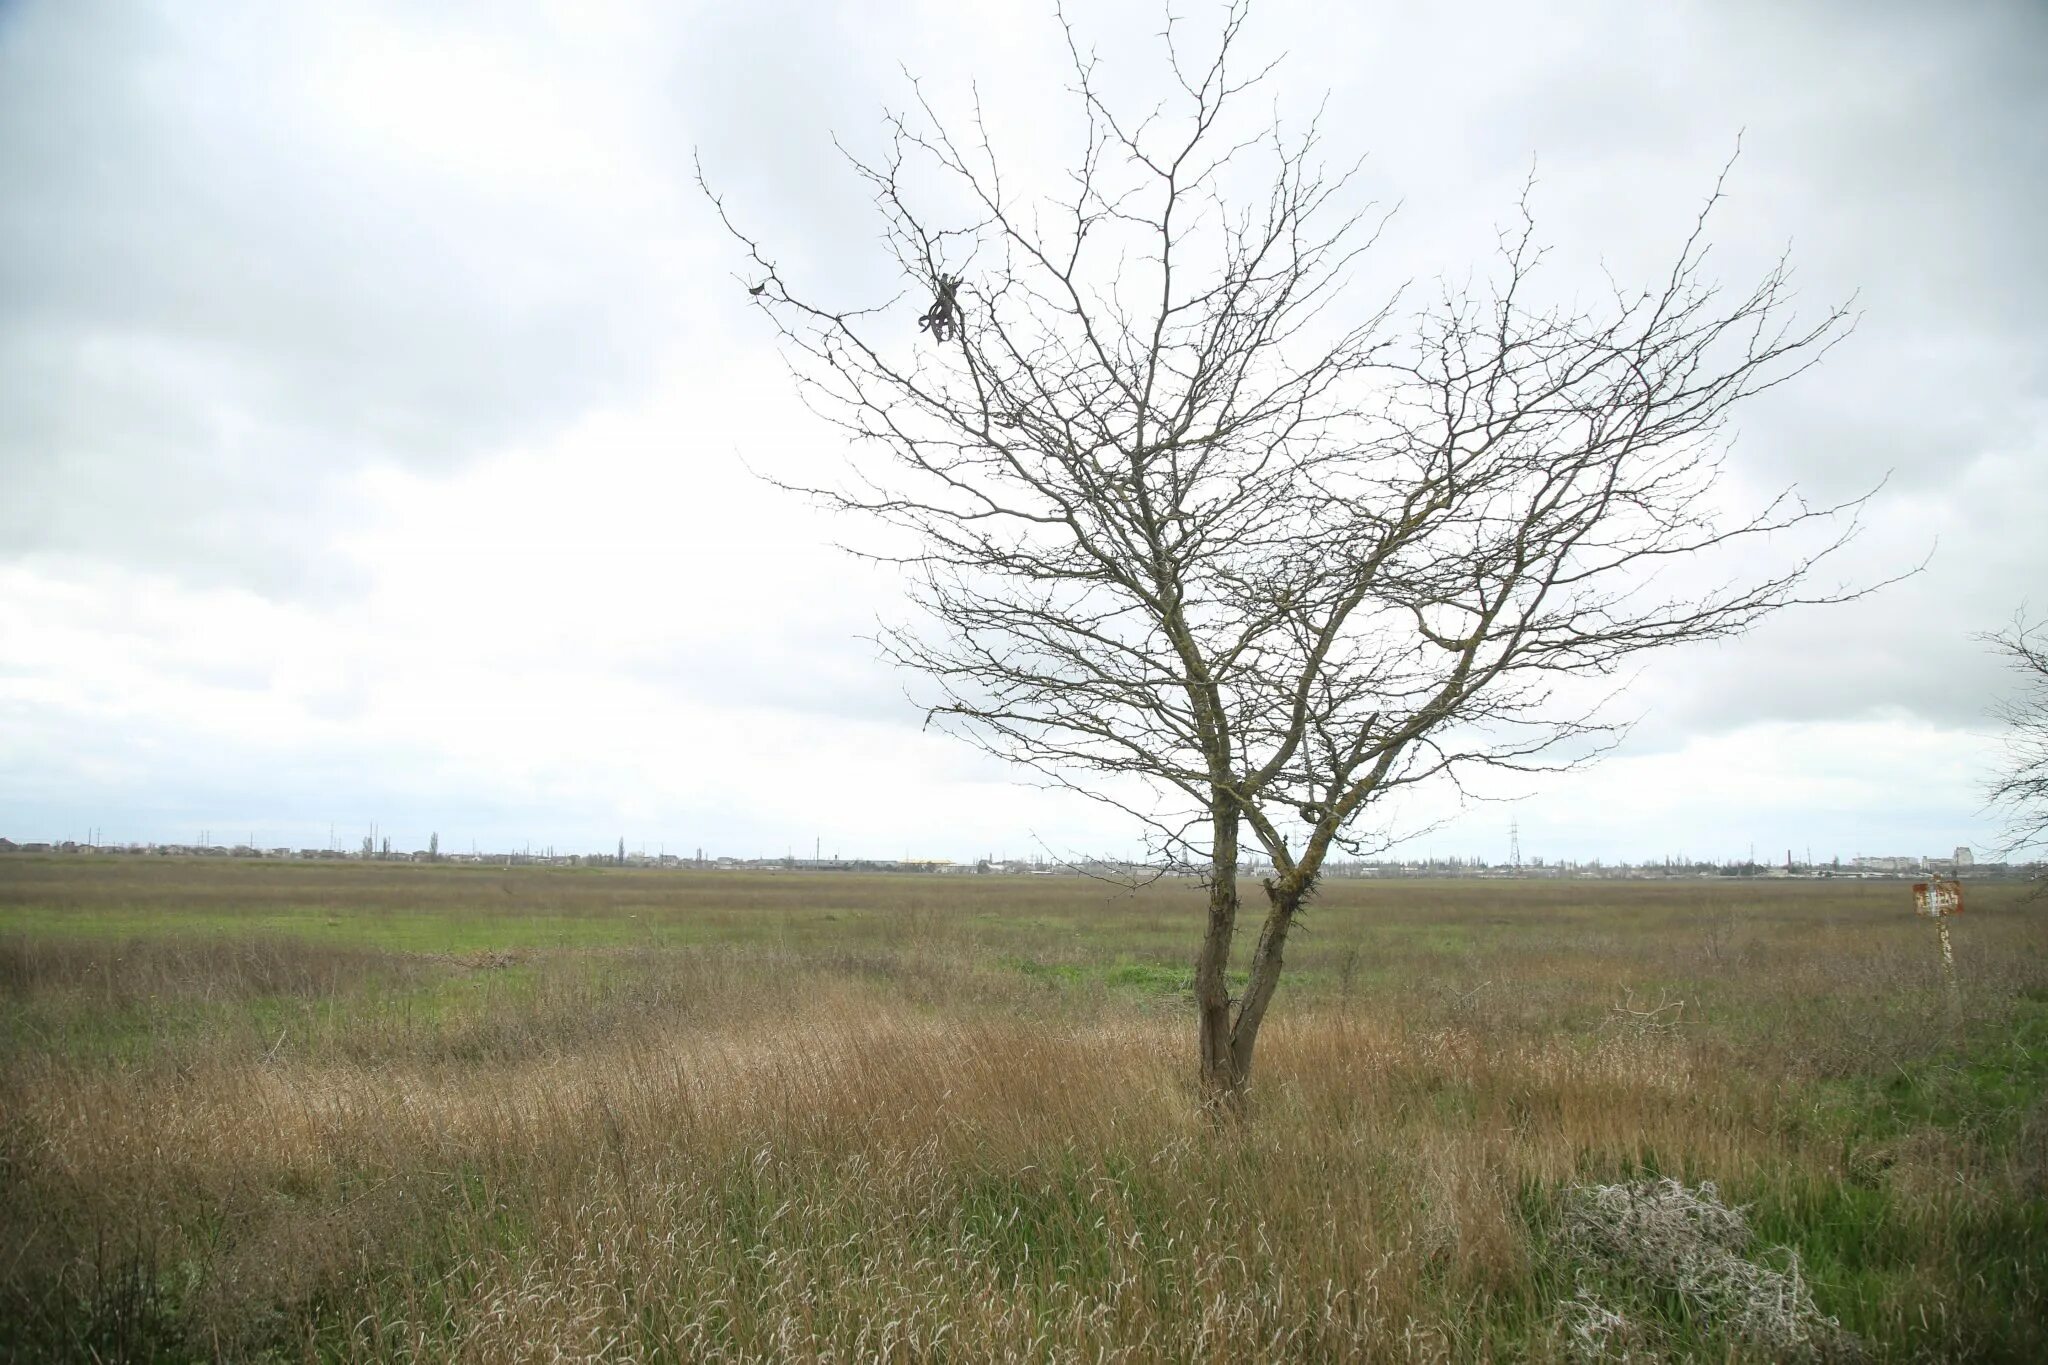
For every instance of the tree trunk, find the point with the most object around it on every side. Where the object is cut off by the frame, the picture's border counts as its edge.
(1230, 1037)
(1222, 1081)
(1229, 1031)
(1283, 901)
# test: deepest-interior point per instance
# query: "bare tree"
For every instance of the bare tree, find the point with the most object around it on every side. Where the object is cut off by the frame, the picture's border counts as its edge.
(2020, 790)
(1195, 535)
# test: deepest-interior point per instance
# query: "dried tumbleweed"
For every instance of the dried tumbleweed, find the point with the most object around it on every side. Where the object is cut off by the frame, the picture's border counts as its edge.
(1687, 1242)
(1593, 1331)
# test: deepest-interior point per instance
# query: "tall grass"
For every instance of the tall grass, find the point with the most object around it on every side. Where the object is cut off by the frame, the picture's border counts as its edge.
(963, 1128)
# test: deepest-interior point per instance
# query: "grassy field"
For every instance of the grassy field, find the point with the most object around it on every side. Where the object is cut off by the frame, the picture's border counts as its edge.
(365, 1112)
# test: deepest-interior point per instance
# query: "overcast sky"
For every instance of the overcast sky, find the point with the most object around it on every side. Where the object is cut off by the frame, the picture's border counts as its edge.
(377, 404)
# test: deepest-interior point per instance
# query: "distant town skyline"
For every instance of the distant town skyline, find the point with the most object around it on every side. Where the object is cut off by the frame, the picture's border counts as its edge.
(377, 844)
(1959, 864)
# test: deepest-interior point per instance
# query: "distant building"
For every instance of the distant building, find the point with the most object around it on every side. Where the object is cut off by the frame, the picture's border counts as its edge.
(1965, 858)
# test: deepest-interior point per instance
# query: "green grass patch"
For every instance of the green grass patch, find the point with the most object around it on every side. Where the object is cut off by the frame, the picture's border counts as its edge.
(1144, 980)
(1985, 1090)
(407, 931)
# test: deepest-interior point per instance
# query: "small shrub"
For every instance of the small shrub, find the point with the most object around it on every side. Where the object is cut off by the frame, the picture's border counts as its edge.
(1663, 1238)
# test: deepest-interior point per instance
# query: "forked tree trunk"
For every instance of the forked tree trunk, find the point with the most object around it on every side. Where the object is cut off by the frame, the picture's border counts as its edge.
(1229, 1033)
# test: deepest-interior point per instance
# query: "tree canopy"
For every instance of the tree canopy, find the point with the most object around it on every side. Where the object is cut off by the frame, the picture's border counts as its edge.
(1184, 517)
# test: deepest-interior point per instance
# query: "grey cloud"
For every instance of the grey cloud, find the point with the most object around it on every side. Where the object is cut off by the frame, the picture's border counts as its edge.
(215, 303)
(1911, 651)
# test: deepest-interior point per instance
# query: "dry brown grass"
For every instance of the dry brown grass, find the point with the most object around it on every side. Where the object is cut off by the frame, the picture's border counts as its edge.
(767, 1144)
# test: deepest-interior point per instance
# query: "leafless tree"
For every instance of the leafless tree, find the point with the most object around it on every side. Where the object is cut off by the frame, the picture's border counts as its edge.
(2020, 790)
(1184, 520)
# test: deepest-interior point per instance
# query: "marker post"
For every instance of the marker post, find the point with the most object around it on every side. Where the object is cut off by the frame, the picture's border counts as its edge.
(1937, 900)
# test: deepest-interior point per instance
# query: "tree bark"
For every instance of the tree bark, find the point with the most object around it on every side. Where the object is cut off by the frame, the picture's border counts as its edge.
(1230, 1028)
(1222, 1081)
(1283, 902)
